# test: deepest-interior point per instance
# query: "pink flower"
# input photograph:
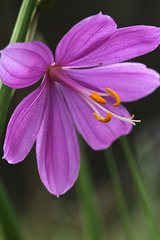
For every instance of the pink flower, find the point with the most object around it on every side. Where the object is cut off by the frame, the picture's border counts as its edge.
(85, 77)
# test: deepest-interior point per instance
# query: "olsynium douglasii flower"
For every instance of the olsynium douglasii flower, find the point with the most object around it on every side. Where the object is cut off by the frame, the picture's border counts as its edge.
(82, 87)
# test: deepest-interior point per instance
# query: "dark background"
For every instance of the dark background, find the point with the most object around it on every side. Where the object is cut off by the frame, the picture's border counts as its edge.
(40, 213)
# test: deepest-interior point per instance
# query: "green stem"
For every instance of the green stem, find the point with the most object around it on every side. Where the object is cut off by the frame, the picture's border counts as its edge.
(5, 98)
(140, 187)
(33, 26)
(23, 21)
(7, 217)
(90, 212)
(19, 35)
(110, 160)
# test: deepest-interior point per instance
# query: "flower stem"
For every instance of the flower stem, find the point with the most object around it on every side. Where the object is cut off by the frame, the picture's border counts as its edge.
(140, 187)
(7, 217)
(33, 26)
(92, 222)
(19, 34)
(23, 21)
(110, 160)
(5, 98)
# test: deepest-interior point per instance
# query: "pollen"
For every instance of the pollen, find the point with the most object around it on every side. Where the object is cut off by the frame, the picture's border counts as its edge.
(114, 95)
(97, 98)
(102, 119)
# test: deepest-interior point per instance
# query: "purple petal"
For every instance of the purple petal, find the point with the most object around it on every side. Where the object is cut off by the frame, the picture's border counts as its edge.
(24, 125)
(123, 44)
(130, 80)
(23, 64)
(57, 145)
(97, 134)
(84, 39)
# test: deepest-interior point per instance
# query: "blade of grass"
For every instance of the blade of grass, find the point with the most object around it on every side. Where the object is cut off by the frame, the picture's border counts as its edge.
(140, 188)
(110, 160)
(93, 225)
(8, 220)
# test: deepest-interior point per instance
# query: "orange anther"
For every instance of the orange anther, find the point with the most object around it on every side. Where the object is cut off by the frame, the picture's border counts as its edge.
(97, 98)
(114, 95)
(102, 119)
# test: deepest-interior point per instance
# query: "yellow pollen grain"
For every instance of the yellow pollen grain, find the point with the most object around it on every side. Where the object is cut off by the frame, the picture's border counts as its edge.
(102, 119)
(97, 98)
(114, 95)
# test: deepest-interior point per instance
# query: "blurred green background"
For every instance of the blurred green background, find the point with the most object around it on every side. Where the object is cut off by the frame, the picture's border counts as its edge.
(45, 217)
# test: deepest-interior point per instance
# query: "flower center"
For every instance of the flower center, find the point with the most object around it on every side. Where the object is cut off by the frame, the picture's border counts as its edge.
(94, 99)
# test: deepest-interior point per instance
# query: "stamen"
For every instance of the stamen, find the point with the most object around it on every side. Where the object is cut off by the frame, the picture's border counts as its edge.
(130, 120)
(114, 95)
(102, 119)
(97, 98)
